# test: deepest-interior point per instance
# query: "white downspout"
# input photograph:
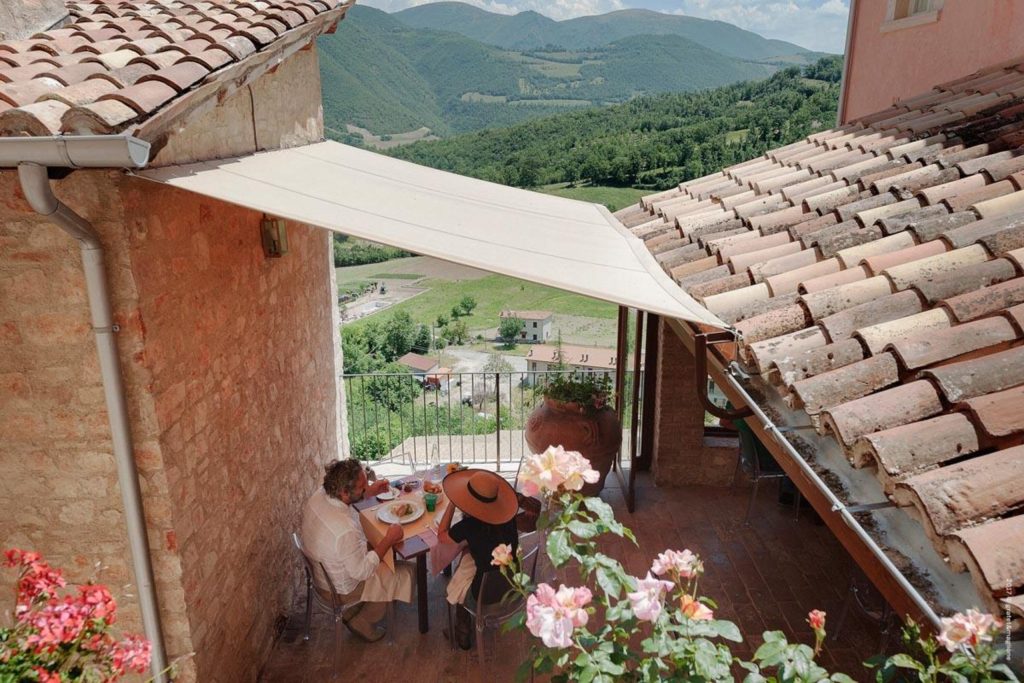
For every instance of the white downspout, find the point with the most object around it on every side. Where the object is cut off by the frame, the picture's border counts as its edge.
(36, 185)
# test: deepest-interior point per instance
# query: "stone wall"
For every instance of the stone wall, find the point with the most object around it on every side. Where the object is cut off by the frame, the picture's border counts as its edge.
(58, 480)
(281, 109)
(682, 453)
(241, 353)
(229, 366)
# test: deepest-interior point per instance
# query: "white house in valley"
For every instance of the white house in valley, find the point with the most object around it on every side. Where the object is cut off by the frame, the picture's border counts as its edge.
(588, 360)
(536, 325)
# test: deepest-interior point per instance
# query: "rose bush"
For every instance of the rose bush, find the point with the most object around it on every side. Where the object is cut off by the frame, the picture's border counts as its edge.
(619, 627)
(60, 636)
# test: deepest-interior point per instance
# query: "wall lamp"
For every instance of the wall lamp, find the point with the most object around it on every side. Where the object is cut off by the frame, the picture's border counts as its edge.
(274, 235)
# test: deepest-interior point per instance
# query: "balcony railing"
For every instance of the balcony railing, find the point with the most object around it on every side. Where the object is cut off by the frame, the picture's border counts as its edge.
(467, 417)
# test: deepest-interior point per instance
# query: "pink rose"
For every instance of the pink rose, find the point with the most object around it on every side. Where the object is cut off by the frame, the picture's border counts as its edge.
(967, 630)
(554, 470)
(501, 556)
(695, 609)
(683, 564)
(646, 599)
(816, 619)
(553, 615)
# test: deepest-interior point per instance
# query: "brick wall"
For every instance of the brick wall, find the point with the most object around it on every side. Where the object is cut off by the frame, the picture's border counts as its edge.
(682, 454)
(58, 480)
(241, 353)
(228, 360)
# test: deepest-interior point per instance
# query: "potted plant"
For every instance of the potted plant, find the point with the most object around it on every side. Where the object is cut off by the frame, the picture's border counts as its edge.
(576, 414)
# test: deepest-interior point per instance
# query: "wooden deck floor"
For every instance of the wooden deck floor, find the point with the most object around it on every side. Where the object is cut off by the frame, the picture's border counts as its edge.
(764, 576)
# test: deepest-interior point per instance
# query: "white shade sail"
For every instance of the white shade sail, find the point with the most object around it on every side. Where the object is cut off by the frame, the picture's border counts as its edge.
(564, 243)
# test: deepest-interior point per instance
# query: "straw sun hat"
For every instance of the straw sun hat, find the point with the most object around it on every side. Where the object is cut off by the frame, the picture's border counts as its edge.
(482, 494)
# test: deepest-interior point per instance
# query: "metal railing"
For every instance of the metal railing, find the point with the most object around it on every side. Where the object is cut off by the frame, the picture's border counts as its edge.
(467, 417)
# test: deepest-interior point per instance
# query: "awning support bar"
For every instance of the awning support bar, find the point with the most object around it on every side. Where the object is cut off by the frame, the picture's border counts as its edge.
(702, 341)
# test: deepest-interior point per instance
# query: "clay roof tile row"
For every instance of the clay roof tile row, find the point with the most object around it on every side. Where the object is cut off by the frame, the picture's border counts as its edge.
(119, 62)
(875, 273)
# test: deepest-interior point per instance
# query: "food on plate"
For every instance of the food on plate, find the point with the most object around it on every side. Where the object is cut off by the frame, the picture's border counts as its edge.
(431, 487)
(402, 510)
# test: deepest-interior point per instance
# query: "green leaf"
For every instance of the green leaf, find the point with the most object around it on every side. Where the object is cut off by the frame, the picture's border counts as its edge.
(608, 582)
(600, 508)
(582, 529)
(905, 661)
(841, 678)
(559, 548)
(728, 630)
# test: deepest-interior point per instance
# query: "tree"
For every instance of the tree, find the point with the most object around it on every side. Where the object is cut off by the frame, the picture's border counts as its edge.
(457, 332)
(442, 320)
(399, 335)
(393, 390)
(456, 312)
(467, 304)
(497, 363)
(421, 343)
(508, 329)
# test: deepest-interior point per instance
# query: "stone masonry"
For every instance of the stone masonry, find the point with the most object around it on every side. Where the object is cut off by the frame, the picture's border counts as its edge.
(229, 362)
(682, 453)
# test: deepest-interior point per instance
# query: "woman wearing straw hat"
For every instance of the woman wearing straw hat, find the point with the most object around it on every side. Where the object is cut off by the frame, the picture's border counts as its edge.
(489, 505)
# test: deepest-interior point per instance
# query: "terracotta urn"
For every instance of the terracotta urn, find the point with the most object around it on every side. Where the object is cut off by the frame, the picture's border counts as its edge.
(594, 433)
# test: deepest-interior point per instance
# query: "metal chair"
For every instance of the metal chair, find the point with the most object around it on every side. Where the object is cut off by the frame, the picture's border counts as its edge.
(492, 607)
(759, 464)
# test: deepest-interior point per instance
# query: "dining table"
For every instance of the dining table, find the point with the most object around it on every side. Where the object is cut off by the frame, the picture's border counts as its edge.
(420, 542)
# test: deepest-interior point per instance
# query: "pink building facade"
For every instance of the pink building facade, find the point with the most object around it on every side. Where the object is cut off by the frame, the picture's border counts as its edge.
(900, 48)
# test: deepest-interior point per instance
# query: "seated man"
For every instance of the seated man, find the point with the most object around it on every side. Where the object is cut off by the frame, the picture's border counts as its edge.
(332, 534)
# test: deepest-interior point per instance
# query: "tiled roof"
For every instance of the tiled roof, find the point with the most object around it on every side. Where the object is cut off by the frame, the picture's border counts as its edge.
(119, 61)
(581, 356)
(874, 272)
(527, 315)
(418, 362)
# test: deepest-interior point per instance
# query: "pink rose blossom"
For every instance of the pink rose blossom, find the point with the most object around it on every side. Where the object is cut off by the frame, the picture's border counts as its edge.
(816, 619)
(501, 556)
(553, 615)
(646, 599)
(554, 470)
(695, 609)
(967, 630)
(684, 564)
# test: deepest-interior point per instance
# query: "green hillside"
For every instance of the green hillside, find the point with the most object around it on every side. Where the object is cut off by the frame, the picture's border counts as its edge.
(531, 31)
(652, 142)
(380, 74)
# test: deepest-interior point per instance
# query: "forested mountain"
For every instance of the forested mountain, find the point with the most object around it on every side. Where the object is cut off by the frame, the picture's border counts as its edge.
(654, 141)
(533, 31)
(385, 76)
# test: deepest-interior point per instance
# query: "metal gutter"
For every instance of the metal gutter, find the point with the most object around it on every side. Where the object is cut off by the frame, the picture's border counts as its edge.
(835, 505)
(851, 26)
(32, 156)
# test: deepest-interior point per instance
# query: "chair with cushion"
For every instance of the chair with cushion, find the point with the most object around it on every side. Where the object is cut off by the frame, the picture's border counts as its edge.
(758, 462)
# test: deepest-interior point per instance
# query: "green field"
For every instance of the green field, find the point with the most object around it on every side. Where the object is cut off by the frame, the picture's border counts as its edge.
(614, 198)
(493, 294)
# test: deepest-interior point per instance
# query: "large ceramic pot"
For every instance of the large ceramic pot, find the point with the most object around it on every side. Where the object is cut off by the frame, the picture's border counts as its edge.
(595, 433)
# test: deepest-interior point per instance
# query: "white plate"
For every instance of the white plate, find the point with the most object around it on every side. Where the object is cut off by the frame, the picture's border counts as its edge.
(390, 494)
(385, 514)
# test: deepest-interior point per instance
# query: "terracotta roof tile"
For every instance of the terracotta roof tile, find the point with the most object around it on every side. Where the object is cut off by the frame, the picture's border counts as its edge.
(125, 40)
(953, 497)
(993, 554)
(885, 296)
(911, 448)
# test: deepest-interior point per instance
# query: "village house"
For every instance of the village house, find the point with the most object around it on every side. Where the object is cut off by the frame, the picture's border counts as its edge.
(583, 360)
(536, 325)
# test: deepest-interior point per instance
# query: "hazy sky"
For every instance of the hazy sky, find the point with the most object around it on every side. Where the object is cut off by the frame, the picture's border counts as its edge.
(814, 24)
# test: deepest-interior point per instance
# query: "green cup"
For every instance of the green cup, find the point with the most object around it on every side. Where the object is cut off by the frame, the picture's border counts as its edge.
(430, 500)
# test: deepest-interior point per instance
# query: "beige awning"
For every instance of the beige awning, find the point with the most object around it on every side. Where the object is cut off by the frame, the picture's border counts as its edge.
(572, 245)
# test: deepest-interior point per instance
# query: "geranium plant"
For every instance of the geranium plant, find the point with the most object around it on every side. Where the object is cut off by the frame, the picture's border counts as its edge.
(617, 627)
(61, 634)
